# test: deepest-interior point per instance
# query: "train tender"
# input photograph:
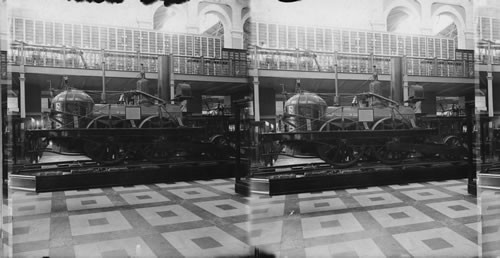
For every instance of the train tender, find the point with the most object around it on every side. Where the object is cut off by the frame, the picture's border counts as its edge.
(372, 128)
(140, 126)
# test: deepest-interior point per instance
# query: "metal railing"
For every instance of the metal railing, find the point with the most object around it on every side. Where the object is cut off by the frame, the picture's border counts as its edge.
(266, 59)
(94, 59)
(303, 60)
(487, 51)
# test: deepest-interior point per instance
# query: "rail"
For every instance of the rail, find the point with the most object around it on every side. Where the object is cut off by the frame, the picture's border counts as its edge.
(94, 59)
(487, 51)
(318, 61)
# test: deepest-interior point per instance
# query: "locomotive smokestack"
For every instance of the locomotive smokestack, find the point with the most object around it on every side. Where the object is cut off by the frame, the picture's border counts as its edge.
(164, 77)
(397, 79)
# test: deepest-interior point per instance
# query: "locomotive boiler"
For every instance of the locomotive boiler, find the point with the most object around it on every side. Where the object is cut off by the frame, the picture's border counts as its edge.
(372, 128)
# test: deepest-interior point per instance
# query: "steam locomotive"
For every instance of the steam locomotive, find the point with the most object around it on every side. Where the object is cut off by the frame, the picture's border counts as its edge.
(372, 128)
(140, 126)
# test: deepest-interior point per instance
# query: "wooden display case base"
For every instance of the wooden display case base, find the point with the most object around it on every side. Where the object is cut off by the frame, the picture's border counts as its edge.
(132, 176)
(317, 183)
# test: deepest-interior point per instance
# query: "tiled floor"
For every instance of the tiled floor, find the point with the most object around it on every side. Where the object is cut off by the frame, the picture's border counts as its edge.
(206, 218)
(433, 219)
(182, 219)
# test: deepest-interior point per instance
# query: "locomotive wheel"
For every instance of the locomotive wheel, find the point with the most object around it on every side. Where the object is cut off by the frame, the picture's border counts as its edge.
(107, 152)
(460, 148)
(389, 157)
(157, 122)
(390, 124)
(340, 154)
(381, 152)
(336, 124)
(158, 151)
(105, 121)
(221, 147)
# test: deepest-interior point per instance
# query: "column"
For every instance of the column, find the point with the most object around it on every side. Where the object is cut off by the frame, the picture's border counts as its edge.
(192, 17)
(22, 95)
(237, 39)
(405, 81)
(426, 18)
(256, 100)
(490, 82)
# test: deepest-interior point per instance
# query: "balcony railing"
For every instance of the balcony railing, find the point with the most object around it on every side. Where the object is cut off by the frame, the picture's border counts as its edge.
(487, 51)
(94, 59)
(266, 59)
(300, 60)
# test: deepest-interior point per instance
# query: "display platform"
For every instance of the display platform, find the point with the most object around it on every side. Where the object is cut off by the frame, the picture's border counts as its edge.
(84, 174)
(318, 177)
(488, 192)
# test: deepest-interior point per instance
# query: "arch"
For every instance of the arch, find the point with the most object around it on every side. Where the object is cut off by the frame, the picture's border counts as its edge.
(223, 16)
(401, 7)
(457, 18)
(163, 14)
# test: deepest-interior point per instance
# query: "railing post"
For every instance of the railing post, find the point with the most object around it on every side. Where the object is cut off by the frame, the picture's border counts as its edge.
(336, 60)
(44, 62)
(434, 68)
(64, 56)
(137, 60)
(277, 60)
(372, 62)
(23, 60)
(201, 70)
(297, 54)
(464, 70)
(231, 67)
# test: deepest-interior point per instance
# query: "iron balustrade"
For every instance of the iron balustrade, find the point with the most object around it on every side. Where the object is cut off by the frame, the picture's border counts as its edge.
(266, 59)
(94, 59)
(303, 60)
(484, 53)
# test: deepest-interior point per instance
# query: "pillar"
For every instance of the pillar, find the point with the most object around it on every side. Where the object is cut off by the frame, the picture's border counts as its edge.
(405, 81)
(237, 39)
(256, 99)
(22, 95)
(426, 18)
(490, 82)
(192, 17)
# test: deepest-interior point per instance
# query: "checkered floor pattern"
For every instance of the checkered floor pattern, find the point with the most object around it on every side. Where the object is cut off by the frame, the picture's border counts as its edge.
(182, 219)
(206, 218)
(432, 219)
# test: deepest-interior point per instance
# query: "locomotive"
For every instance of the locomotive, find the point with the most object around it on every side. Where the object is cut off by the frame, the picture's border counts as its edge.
(372, 128)
(139, 126)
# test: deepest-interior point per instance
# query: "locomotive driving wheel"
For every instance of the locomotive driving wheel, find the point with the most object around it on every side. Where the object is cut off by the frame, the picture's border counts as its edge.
(459, 148)
(106, 121)
(381, 152)
(157, 122)
(157, 151)
(106, 152)
(340, 153)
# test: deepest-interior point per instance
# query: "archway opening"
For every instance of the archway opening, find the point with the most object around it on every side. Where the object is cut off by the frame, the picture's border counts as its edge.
(169, 19)
(401, 20)
(211, 25)
(445, 26)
